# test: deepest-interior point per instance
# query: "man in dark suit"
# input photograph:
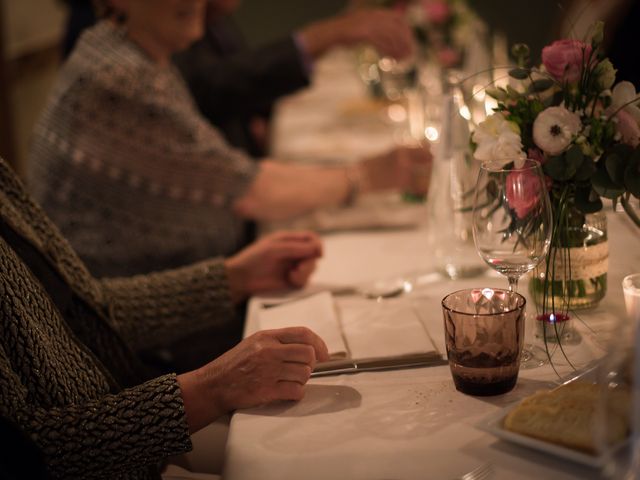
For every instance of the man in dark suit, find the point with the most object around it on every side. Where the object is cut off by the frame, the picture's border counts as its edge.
(235, 87)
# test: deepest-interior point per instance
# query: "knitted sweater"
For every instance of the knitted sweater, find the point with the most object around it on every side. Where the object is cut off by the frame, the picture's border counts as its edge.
(126, 166)
(68, 379)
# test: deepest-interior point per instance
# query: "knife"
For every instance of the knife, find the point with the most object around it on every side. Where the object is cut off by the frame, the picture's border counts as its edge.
(348, 365)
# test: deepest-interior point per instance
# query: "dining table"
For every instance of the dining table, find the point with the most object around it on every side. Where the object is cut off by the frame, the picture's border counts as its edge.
(403, 423)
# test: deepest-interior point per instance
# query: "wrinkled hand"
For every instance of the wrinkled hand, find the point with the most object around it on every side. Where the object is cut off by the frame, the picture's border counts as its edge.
(406, 169)
(268, 366)
(278, 261)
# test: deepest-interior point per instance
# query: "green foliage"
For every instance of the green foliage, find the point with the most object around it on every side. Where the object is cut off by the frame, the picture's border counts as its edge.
(519, 73)
(632, 174)
(595, 164)
(541, 85)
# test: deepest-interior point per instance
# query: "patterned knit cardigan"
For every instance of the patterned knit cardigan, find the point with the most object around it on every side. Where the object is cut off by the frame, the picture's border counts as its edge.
(68, 382)
(124, 164)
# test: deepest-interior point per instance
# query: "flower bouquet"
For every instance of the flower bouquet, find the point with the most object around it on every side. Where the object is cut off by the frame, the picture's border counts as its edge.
(443, 29)
(571, 116)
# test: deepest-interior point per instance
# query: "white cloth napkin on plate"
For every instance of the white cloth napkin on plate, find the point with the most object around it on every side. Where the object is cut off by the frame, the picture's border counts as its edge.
(386, 329)
(316, 312)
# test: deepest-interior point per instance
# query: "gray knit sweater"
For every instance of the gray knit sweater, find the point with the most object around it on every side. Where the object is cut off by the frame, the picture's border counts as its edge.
(63, 380)
(126, 166)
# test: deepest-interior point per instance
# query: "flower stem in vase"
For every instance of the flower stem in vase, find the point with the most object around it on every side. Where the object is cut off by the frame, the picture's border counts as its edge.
(575, 274)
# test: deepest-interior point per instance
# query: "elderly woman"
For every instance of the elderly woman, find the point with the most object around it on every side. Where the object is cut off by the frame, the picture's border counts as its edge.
(69, 376)
(138, 180)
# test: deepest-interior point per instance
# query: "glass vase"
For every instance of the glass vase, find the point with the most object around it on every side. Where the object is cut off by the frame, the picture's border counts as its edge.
(450, 198)
(575, 275)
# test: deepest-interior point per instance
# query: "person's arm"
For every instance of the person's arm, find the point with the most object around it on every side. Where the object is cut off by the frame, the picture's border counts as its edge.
(149, 309)
(245, 82)
(103, 437)
(270, 365)
(282, 191)
(386, 30)
(140, 426)
(143, 128)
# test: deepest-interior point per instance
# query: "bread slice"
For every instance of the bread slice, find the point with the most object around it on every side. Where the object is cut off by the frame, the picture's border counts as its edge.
(567, 416)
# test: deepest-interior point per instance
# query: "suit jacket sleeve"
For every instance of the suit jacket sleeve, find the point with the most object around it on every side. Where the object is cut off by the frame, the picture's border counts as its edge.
(246, 82)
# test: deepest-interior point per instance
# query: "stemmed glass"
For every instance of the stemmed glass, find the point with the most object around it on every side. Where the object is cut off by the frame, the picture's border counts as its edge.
(512, 224)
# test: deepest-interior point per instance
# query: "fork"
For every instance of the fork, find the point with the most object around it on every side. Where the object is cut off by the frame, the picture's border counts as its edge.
(481, 472)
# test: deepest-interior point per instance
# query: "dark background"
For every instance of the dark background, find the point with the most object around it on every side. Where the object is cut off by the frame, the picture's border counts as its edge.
(531, 22)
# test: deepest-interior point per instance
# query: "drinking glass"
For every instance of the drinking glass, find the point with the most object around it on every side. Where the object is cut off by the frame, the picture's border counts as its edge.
(512, 225)
(484, 331)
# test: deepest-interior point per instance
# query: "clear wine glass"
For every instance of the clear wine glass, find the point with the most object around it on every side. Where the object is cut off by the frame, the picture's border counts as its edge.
(512, 225)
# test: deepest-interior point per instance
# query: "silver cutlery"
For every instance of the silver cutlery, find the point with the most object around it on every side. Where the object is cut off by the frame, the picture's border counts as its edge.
(337, 367)
(482, 472)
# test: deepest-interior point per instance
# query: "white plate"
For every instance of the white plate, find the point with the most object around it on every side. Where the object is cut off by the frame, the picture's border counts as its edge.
(494, 424)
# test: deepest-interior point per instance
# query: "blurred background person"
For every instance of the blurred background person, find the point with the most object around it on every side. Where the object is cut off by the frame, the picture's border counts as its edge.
(235, 86)
(139, 180)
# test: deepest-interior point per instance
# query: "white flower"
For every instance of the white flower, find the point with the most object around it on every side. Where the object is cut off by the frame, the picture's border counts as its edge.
(605, 73)
(498, 140)
(623, 93)
(554, 129)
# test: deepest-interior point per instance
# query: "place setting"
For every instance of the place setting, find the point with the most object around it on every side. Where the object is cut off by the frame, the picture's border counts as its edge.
(471, 327)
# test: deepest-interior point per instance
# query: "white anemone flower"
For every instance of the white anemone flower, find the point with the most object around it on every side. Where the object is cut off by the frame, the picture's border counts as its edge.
(498, 140)
(622, 94)
(554, 129)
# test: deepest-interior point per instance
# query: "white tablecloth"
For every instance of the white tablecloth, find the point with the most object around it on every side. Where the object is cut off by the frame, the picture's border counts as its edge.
(403, 424)
(409, 424)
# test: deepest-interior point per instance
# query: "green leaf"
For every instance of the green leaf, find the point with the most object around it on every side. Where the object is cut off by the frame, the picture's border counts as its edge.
(615, 166)
(519, 73)
(556, 168)
(604, 186)
(541, 85)
(587, 200)
(558, 97)
(586, 170)
(574, 158)
(632, 175)
(564, 167)
(512, 92)
(420, 35)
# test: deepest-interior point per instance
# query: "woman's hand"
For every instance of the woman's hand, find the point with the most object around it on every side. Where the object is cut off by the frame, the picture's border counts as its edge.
(404, 169)
(386, 30)
(268, 366)
(279, 261)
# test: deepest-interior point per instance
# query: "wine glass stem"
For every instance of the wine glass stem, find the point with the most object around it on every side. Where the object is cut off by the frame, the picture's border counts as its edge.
(513, 284)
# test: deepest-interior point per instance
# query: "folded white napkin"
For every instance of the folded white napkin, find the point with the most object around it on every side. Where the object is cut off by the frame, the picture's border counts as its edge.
(316, 312)
(385, 329)
(371, 211)
(366, 328)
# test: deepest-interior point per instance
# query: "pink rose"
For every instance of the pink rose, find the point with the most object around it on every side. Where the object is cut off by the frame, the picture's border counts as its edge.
(523, 189)
(628, 128)
(437, 11)
(564, 59)
(536, 154)
(448, 56)
(400, 6)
